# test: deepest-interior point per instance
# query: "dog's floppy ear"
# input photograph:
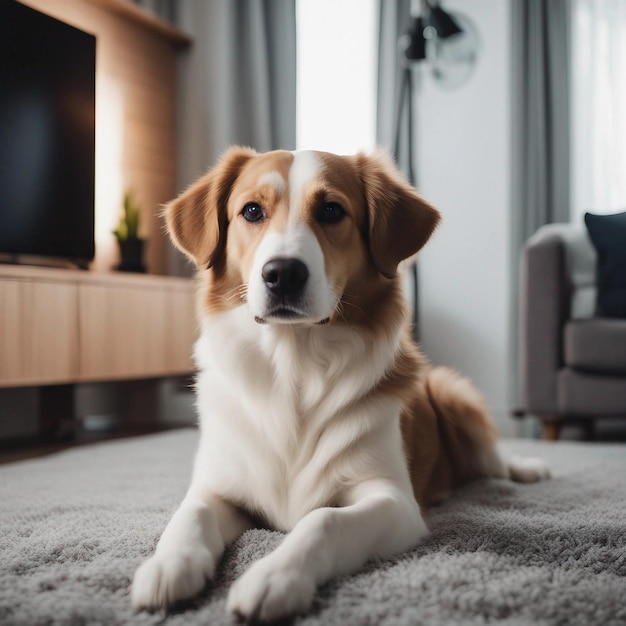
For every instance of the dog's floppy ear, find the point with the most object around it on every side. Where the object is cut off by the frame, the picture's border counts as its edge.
(197, 220)
(400, 222)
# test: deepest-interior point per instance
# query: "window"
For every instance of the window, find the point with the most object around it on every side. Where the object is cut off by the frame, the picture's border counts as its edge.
(336, 97)
(598, 55)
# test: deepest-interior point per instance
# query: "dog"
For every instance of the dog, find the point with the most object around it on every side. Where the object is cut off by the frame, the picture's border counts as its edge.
(319, 416)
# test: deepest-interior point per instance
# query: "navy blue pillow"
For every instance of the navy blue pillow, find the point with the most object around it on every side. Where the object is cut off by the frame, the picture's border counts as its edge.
(608, 235)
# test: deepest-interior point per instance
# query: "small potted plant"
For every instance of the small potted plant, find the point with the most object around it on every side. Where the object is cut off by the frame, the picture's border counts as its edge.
(127, 234)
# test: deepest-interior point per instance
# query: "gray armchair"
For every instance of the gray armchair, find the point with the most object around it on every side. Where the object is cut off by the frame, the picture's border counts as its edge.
(573, 364)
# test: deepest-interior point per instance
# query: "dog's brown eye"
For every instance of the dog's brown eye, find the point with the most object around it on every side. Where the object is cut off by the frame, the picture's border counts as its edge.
(252, 212)
(331, 212)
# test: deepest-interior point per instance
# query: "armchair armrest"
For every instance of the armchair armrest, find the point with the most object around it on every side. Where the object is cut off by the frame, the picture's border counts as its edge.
(545, 301)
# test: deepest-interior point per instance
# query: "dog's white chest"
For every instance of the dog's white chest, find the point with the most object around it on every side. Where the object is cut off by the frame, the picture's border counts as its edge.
(261, 436)
(278, 411)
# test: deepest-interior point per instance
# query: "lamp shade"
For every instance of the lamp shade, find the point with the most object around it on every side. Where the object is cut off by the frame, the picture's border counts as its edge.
(413, 42)
(443, 23)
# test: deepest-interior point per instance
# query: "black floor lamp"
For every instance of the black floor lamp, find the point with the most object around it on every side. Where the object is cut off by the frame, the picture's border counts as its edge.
(449, 44)
(405, 107)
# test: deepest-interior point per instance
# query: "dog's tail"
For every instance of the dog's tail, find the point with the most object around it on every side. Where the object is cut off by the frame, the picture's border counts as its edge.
(468, 435)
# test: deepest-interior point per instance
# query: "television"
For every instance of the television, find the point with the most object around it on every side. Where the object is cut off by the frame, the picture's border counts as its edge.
(47, 137)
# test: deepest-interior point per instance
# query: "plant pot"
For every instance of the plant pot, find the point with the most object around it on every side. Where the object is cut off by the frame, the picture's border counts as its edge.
(131, 251)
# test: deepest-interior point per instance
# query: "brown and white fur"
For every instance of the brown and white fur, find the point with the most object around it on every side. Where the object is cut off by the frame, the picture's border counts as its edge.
(318, 414)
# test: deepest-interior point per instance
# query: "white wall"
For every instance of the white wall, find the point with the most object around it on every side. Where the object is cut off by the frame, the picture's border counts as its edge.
(464, 168)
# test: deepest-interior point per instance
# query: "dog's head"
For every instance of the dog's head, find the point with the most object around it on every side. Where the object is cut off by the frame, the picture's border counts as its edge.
(297, 235)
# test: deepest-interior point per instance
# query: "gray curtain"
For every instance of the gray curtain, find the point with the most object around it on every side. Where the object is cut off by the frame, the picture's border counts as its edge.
(541, 115)
(393, 22)
(165, 9)
(237, 82)
(541, 133)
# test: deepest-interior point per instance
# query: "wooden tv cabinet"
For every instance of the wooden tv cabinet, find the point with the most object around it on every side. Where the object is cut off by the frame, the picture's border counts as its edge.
(60, 327)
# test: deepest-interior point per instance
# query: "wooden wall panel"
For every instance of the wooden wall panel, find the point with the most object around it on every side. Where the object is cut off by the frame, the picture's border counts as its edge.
(135, 116)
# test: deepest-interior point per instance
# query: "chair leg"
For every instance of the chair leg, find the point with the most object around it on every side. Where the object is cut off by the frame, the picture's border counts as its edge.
(552, 430)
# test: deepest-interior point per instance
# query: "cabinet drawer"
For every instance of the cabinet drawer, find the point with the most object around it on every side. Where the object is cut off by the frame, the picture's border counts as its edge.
(182, 329)
(122, 332)
(38, 332)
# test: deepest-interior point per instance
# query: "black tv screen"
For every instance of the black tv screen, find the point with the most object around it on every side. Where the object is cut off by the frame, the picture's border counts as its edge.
(47, 135)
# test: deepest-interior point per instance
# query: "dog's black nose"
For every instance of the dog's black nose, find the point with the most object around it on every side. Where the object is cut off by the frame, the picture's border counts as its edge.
(285, 276)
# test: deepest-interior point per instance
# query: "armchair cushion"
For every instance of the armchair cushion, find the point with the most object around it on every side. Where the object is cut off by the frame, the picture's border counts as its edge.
(590, 395)
(608, 234)
(596, 345)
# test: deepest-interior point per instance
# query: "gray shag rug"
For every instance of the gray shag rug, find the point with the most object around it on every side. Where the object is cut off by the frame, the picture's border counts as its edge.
(74, 526)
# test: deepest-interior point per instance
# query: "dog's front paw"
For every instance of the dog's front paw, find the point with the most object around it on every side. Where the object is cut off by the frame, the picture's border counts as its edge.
(528, 469)
(267, 592)
(166, 578)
